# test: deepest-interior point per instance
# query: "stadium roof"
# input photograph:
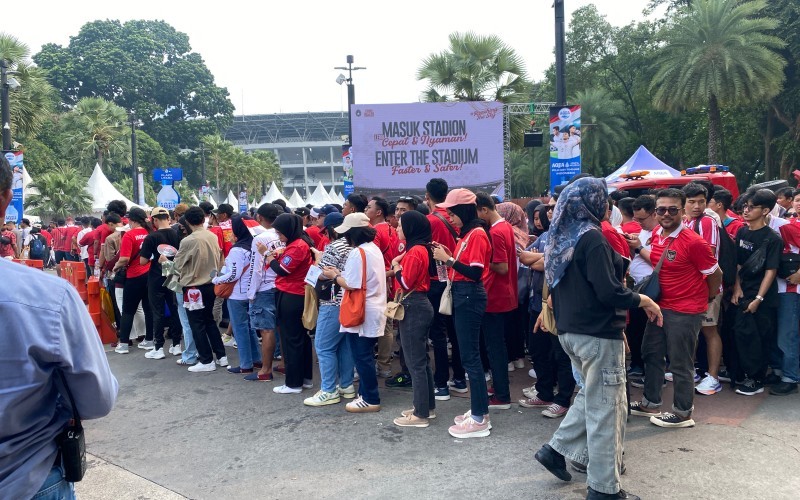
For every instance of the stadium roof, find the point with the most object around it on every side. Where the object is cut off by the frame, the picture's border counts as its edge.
(288, 127)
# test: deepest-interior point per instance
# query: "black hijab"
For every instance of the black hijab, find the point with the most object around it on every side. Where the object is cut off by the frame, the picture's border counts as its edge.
(529, 209)
(468, 213)
(417, 231)
(542, 210)
(244, 239)
(291, 227)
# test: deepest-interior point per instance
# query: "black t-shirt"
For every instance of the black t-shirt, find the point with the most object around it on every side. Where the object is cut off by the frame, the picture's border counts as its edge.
(747, 242)
(150, 244)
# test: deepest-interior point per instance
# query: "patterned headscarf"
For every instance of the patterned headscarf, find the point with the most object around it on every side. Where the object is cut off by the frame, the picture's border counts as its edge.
(580, 208)
(515, 216)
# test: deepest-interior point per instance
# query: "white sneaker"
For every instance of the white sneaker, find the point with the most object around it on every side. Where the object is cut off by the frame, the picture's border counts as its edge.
(308, 384)
(282, 389)
(146, 344)
(708, 386)
(519, 363)
(200, 367)
(122, 348)
(322, 398)
(532, 373)
(175, 350)
(511, 366)
(348, 392)
(223, 361)
(155, 354)
(228, 341)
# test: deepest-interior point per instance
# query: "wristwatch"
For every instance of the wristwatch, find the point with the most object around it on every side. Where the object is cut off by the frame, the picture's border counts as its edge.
(449, 262)
(759, 298)
(638, 249)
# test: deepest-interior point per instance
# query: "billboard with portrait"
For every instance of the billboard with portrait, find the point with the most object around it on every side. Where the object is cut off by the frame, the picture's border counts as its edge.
(565, 144)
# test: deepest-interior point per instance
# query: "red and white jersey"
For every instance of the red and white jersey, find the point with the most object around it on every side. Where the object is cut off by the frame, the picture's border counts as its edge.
(709, 230)
(790, 233)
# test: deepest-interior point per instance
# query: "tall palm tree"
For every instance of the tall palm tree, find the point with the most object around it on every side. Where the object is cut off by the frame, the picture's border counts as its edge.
(31, 103)
(218, 151)
(95, 130)
(604, 133)
(718, 54)
(62, 192)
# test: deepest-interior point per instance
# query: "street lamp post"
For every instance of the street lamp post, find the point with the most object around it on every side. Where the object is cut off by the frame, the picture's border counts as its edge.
(561, 84)
(6, 114)
(351, 93)
(203, 163)
(134, 166)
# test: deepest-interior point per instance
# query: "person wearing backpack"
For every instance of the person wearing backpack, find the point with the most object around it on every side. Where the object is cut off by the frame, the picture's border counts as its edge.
(37, 248)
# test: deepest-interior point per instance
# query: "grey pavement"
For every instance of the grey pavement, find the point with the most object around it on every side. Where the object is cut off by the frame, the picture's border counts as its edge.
(175, 434)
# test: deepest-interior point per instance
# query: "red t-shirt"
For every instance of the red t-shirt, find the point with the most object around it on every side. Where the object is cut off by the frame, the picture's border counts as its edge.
(48, 237)
(315, 233)
(129, 247)
(689, 260)
(323, 241)
(439, 231)
(616, 240)
(62, 239)
(477, 251)
(631, 227)
(8, 250)
(104, 232)
(415, 270)
(790, 233)
(89, 239)
(501, 289)
(227, 237)
(709, 230)
(386, 241)
(217, 231)
(733, 227)
(295, 260)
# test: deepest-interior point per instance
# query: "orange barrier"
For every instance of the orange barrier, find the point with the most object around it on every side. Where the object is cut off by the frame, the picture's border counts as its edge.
(104, 325)
(38, 264)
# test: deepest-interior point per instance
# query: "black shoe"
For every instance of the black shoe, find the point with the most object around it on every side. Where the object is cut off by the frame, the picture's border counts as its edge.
(771, 379)
(577, 467)
(399, 380)
(750, 387)
(783, 388)
(554, 462)
(592, 494)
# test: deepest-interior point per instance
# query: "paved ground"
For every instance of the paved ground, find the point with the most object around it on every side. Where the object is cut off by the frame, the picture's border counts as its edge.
(174, 434)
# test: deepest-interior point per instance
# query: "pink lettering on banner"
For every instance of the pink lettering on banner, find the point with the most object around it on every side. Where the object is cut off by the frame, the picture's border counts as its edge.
(484, 113)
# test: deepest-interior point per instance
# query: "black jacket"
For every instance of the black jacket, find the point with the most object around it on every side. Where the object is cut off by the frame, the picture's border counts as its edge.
(590, 299)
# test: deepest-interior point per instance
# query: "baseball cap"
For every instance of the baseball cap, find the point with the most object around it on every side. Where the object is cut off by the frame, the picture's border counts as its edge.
(224, 208)
(302, 211)
(333, 219)
(159, 211)
(323, 211)
(460, 196)
(357, 219)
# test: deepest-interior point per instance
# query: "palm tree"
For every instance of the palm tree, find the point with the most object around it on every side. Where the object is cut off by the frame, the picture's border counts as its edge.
(218, 151)
(603, 128)
(718, 54)
(31, 103)
(61, 192)
(96, 129)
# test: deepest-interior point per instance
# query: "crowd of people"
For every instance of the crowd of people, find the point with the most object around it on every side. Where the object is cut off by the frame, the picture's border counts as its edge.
(482, 283)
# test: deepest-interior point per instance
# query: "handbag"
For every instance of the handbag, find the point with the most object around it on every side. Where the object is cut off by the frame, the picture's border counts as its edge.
(324, 289)
(446, 304)
(225, 290)
(790, 264)
(548, 315)
(310, 308)
(71, 441)
(651, 286)
(394, 308)
(353, 310)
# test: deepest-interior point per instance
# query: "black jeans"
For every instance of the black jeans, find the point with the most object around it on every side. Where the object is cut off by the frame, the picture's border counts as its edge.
(295, 342)
(469, 306)
(635, 333)
(414, 337)
(133, 293)
(552, 364)
(755, 335)
(161, 298)
(494, 326)
(727, 333)
(206, 334)
(442, 328)
(516, 326)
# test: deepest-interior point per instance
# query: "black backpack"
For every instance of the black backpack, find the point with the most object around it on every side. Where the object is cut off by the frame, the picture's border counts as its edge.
(727, 254)
(37, 248)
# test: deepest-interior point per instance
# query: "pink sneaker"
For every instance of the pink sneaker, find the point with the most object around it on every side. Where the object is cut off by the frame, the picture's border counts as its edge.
(534, 402)
(469, 428)
(461, 418)
(555, 411)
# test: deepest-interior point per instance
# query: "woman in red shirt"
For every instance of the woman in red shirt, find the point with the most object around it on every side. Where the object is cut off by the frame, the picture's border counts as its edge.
(413, 270)
(134, 291)
(291, 267)
(473, 253)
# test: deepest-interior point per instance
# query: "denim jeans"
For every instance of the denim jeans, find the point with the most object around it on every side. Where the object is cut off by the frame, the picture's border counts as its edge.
(469, 304)
(55, 487)
(189, 354)
(246, 339)
(594, 427)
(414, 337)
(494, 336)
(363, 349)
(789, 336)
(333, 350)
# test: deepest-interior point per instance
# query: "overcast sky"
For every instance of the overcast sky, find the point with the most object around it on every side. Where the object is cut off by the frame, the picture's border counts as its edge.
(278, 56)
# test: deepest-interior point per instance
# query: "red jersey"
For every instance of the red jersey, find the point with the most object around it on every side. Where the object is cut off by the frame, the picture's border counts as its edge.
(790, 233)
(48, 237)
(415, 275)
(501, 289)
(295, 260)
(475, 250)
(631, 227)
(616, 240)
(89, 240)
(386, 241)
(688, 261)
(62, 239)
(439, 230)
(315, 233)
(227, 237)
(732, 226)
(129, 247)
(217, 231)
(708, 229)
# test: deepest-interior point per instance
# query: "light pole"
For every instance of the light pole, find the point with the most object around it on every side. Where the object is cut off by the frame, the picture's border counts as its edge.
(134, 167)
(351, 93)
(561, 84)
(6, 114)
(203, 164)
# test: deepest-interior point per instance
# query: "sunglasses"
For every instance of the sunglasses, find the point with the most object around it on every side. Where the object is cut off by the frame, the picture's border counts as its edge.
(749, 207)
(663, 210)
(406, 199)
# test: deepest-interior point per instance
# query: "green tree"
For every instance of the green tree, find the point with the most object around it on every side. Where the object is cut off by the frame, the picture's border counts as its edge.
(604, 135)
(717, 54)
(218, 155)
(30, 103)
(39, 158)
(95, 130)
(62, 192)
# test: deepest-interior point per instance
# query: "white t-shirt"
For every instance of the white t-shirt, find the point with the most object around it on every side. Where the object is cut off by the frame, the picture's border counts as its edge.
(374, 319)
(84, 248)
(641, 268)
(263, 277)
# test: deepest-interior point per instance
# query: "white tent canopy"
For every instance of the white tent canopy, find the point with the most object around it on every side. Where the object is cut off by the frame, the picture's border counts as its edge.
(233, 201)
(341, 198)
(332, 195)
(273, 194)
(102, 191)
(319, 197)
(295, 201)
(195, 199)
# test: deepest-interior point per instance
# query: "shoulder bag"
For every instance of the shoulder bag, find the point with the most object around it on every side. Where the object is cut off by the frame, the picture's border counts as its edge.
(548, 315)
(790, 264)
(755, 263)
(446, 304)
(650, 286)
(447, 224)
(394, 308)
(310, 308)
(353, 310)
(225, 290)
(71, 441)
